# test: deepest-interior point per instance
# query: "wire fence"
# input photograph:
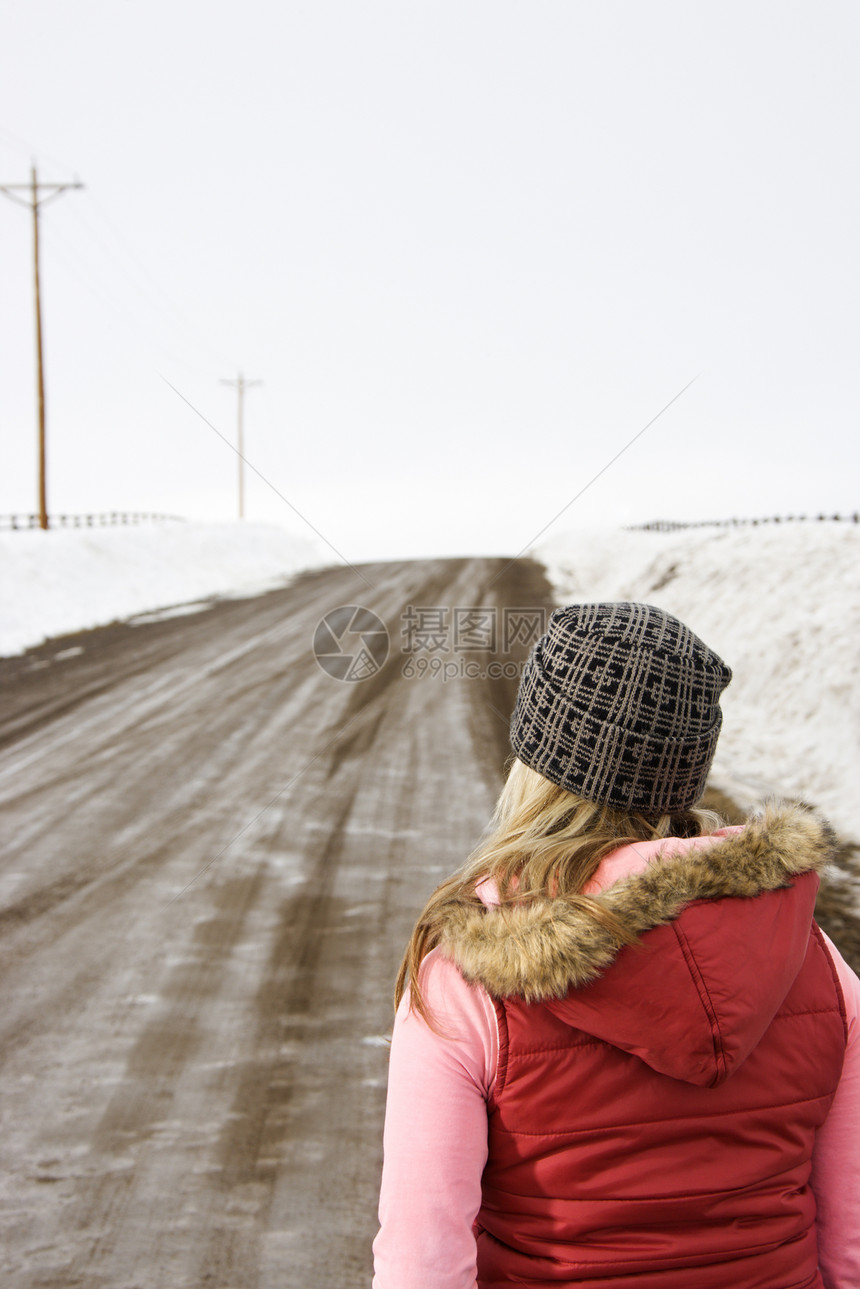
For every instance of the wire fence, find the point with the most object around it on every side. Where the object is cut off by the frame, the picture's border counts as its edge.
(672, 525)
(13, 523)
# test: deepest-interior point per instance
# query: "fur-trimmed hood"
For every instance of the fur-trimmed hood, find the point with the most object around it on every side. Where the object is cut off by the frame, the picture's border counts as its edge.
(693, 991)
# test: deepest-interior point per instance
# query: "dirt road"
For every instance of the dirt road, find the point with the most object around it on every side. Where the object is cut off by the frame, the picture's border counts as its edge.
(213, 853)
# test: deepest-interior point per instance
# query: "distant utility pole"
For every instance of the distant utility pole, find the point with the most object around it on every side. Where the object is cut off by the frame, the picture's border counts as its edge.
(241, 385)
(35, 201)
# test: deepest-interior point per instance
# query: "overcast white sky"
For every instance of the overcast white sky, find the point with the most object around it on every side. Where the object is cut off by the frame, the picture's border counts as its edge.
(471, 248)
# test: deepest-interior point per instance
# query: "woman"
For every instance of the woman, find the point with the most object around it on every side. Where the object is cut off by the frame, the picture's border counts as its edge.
(624, 1054)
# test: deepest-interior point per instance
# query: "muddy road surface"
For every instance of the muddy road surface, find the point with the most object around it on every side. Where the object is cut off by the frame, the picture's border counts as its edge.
(213, 854)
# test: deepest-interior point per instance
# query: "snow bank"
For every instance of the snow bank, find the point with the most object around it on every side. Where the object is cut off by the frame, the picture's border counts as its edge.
(69, 579)
(781, 605)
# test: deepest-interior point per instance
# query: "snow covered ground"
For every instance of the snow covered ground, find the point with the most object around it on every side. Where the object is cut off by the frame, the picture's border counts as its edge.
(781, 604)
(69, 579)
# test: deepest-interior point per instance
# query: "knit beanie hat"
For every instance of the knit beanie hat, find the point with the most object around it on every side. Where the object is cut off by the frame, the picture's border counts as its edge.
(619, 703)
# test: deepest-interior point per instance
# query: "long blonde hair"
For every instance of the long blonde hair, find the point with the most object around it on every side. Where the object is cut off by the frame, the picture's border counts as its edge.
(541, 841)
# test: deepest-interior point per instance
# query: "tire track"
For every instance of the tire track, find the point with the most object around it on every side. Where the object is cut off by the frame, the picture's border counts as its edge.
(214, 863)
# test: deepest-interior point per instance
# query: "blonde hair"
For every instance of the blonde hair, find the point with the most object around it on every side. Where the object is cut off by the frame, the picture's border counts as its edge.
(541, 841)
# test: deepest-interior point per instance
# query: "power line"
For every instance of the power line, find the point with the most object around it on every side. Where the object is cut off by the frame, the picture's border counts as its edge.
(34, 202)
(241, 385)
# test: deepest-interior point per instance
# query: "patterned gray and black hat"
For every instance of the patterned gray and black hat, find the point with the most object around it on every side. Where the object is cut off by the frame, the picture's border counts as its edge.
(619, 703)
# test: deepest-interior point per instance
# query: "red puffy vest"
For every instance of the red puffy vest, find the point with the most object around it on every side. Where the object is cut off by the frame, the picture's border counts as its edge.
(654, 1129)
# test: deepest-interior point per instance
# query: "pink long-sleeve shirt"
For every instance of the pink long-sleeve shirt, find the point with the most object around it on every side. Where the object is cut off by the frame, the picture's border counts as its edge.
(435, 1140)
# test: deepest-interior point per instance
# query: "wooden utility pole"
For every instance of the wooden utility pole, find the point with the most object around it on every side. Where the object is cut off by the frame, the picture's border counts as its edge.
(52, 190)
(241, 385)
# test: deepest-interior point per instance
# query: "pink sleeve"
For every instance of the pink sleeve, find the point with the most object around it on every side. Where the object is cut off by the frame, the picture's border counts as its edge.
(836, 1157)
(435, 1140)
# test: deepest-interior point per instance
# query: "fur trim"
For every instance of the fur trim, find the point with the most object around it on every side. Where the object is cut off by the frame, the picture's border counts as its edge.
(540, 950)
